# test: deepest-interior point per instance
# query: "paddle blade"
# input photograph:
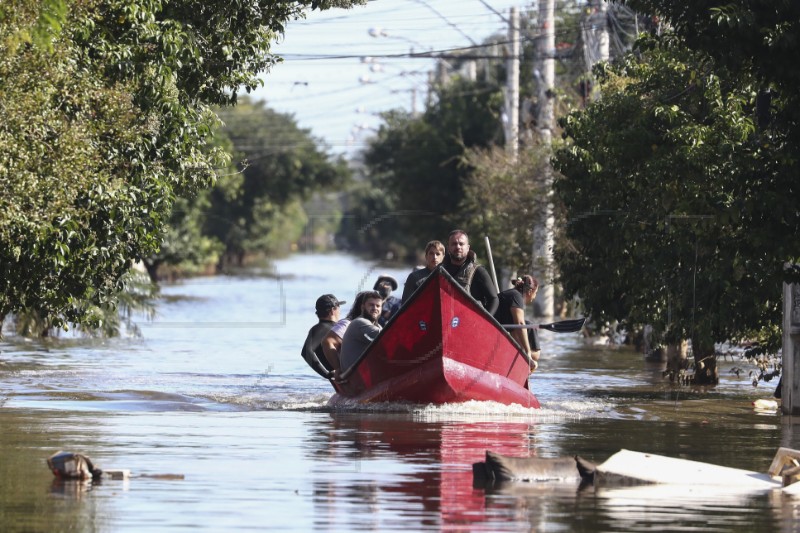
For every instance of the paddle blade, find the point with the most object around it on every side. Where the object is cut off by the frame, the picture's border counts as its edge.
(565, 326)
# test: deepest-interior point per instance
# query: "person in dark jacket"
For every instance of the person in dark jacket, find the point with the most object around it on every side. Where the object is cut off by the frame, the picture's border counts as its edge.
(511, 310)
(461, 263)
(327, 310)
(434, 254)
(385, 284)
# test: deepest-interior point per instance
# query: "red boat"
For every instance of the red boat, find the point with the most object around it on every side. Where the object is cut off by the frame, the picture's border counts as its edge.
(441, 346)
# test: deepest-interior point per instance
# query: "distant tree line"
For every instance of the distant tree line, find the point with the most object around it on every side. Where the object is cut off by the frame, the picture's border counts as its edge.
(257, 207)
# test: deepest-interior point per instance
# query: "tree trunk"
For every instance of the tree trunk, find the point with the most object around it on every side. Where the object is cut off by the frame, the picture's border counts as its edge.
(676, 357)
(705, 362)
(152, 270)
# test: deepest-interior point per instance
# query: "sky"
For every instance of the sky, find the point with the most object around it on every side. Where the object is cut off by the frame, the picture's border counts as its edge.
(336, 77)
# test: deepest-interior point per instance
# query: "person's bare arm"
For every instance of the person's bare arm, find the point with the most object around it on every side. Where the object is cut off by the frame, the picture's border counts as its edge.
(520, 335)
(331, 346)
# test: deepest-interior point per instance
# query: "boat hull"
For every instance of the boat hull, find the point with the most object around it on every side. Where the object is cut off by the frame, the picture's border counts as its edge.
(440, 347)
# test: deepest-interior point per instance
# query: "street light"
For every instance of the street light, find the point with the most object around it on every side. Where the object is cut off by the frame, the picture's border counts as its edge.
(380, 32)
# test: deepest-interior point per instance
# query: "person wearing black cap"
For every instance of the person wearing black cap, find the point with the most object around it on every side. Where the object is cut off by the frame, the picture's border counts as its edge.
(385, 285)
(327, 310)
(332, 343)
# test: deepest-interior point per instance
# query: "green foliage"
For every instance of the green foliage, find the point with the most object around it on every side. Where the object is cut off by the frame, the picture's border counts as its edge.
(372, 223)
(275, 228)
(757, 41)
(257, 210)
(424, 165)
(758, 37)
(107, 118)
(184, 248)
(137, 296)
(671, 210)
(417, 161)
(324, 212)
(70, 211)
(505, 199)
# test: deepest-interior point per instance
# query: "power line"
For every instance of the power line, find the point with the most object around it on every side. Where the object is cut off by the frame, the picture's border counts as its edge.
(455, 27)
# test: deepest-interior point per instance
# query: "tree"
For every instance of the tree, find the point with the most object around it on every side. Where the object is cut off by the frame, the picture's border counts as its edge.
(280, 164)
(663, 191)
(756, 40)
(106, 115)
(416, 161)
(184, 248)
(504, 199)
(424, 165)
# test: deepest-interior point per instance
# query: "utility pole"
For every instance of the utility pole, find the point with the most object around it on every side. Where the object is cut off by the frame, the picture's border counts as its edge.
(603, 47)
(512, 87)
(595, 38)
(413, 89)
(543, 230)
(429, 94)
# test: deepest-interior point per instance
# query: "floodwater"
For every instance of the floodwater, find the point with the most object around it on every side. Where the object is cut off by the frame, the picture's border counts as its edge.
(224, 428)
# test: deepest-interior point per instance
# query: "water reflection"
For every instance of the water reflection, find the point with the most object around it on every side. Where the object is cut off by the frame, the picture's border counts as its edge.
(437, 457)
(71, 489)
(422, 469)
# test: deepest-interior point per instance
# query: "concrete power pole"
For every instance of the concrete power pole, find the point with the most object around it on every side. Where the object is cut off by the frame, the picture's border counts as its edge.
(601, 18)
(595, 38)
(512, 87)
(543, 230)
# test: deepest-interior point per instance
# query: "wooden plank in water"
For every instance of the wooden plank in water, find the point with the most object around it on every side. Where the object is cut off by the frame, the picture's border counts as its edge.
(637, 467)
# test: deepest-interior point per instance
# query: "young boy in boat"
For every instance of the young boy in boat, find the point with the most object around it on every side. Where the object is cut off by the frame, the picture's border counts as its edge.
(511, 310)
(361, 331)
(434, 255)
(327, 310)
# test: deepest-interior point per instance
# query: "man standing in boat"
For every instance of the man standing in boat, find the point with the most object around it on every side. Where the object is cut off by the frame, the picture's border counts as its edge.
(362, 330)
(461, 263)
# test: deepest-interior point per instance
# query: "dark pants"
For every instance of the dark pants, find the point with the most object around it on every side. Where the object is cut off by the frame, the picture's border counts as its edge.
(533, 338)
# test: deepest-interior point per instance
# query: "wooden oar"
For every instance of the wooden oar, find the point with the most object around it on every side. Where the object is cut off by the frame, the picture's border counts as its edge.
(491, 264)
(565, 326)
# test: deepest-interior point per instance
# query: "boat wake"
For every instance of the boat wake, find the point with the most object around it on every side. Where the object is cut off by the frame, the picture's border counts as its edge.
(464, 411)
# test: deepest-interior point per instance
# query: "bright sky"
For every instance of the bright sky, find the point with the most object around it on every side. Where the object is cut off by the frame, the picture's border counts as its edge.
(331, 90)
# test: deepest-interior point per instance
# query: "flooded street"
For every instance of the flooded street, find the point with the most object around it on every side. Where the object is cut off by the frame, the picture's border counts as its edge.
(225, 428)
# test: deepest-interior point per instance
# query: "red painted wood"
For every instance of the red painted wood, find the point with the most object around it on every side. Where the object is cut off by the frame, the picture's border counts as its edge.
(442, 346)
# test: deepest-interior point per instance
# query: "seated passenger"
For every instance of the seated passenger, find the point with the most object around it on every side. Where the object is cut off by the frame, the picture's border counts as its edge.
(385, 285)
(332, 343)
(362, 330)
(327, 310)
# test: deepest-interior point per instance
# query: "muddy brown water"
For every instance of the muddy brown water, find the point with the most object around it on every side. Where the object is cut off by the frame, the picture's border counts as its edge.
(224, 428)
